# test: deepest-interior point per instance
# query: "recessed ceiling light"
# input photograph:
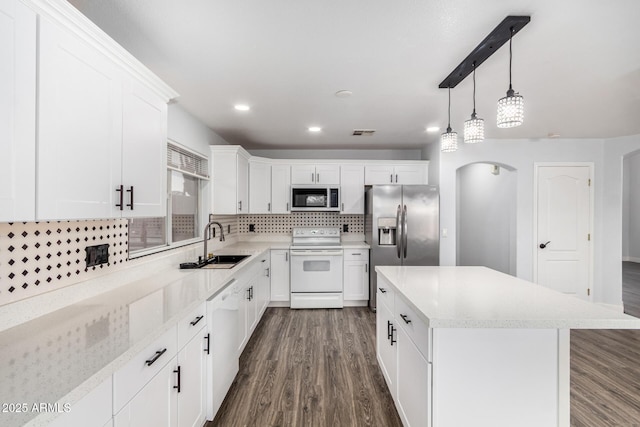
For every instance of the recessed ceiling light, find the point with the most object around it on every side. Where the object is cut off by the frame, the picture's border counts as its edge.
(431, 129)
(315, 128)
(241, 107)
(343, 93)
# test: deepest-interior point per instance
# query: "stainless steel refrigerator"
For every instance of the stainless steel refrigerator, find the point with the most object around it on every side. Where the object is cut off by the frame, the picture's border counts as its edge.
(402, 226)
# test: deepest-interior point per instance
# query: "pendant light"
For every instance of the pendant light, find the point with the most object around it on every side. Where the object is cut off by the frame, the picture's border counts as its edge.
(511, 107)
(474, 127)
(449, 139)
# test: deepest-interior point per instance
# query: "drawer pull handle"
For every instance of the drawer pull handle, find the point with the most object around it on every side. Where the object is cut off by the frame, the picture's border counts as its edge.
(356, 254)
(404, 317)
(383, 290)
(197, 319)
(208, 338)
(177, 371)
(159, 353)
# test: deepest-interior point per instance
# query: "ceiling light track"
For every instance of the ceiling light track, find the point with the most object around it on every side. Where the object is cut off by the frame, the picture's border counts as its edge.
(508, 28)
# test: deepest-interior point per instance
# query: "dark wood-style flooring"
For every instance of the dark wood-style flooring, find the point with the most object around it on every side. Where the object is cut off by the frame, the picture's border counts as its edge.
(310, 368)
(318, 368)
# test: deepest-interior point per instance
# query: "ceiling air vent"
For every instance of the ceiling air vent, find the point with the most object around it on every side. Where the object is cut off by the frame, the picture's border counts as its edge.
(363, 132)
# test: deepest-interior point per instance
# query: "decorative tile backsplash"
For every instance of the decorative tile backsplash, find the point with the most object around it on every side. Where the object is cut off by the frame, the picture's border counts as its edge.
(37, 257)
(282, 224)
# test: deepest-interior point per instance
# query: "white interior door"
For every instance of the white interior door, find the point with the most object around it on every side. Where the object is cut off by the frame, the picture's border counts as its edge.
(563, 238)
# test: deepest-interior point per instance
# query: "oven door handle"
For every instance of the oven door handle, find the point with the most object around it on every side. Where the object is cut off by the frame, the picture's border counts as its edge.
(305, 252)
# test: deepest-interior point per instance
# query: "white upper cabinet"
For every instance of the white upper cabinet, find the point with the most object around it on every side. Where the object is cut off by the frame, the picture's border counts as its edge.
(280, 188)
(380, 174)
(308, 174)
(259, 186)
(144, 152)
(229, 180)
(352, 189)
(80, 127)
(17, 111)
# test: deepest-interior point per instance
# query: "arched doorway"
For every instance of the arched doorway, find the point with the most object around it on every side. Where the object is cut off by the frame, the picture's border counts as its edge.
(631, 233)
(486, 199)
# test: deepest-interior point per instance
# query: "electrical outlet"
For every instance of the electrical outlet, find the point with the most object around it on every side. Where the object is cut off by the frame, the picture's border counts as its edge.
(345, 228)
(252, 228)
(97, 255)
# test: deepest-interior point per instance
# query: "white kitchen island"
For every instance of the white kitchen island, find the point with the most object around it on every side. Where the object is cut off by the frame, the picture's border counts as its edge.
(470, 346)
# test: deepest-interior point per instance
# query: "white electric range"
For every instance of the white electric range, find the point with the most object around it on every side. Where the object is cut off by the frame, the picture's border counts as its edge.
(316, 268)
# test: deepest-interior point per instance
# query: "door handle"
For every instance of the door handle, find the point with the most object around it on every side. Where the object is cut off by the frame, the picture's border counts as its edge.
(130, 191)
(544, 245)
(399, 230)
(396, 178)
(405, 231)
(392, 331)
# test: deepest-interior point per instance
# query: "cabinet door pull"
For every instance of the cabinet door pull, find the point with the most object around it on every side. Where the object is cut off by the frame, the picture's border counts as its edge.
(396, 178)
(313, 177)
(155, 357)
(366, 268)
(391, 178)
(130, 190)
(287, 206)
(342, 206)
(383, 290)
(405, 318)
(249, 294)
(392, 331)
(389, 327)
(240, 206)
(177, 371)
(356, 253)
(195, 321)
(208, 339)
(269, 207)
(318, 178)
(120, 189)
(286, 256)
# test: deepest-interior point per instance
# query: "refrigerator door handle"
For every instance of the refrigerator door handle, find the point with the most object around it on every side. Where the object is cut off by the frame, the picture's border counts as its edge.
(405, 231)
(399, 231)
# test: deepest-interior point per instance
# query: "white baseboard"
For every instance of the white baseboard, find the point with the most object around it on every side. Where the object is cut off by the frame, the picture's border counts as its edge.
(630, 259)
(356, 303)
(279, 304)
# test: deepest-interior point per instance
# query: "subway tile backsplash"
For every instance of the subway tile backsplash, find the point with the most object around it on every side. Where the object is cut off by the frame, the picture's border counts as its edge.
(38, 257)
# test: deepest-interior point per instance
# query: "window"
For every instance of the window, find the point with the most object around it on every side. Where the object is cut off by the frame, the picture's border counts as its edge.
(187, 173)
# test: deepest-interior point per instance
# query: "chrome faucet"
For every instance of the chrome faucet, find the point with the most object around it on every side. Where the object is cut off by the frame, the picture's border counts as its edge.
(206, 236)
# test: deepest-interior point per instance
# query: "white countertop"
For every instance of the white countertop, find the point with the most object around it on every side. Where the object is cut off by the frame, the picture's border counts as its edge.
(478, 297)
(63, 355)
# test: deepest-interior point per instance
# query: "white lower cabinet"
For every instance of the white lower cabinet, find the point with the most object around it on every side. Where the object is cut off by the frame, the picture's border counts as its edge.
(413, 382)
(263, 283)
(404, 364)
(356, 275)
(386, 336)
(155, 405)
(192, 381)
(93, 410)
(280, 288)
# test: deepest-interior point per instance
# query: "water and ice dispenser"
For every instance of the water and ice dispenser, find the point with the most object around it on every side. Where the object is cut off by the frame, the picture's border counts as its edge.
(387, 231)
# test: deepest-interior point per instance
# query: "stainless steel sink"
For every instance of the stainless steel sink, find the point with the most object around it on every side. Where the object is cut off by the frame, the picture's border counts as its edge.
(219, 261)
(224, 261)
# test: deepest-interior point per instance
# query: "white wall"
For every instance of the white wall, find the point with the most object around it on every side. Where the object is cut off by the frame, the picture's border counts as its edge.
(432, 153)
(339, 154)
(607, 156)
(486, 222)
(631, 208)
(187, 130)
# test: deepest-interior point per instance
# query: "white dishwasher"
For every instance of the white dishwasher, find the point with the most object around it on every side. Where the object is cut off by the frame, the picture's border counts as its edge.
(316, 268)
(222, 312)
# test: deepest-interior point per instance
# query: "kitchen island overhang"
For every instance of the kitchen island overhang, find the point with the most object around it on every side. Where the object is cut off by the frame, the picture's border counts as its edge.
(491, 349)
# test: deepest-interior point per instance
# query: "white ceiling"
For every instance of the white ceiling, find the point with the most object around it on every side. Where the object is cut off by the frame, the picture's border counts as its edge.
(577, 64)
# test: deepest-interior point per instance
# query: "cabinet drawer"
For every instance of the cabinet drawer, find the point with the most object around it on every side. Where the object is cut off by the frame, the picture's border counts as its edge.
(356, 255)
(191, 324)
(129, 379)
(416, 329)
(385, 293)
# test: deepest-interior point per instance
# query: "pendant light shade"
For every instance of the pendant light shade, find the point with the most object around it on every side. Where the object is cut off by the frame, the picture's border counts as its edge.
(511, 107)
(449, 139)
(474, 127)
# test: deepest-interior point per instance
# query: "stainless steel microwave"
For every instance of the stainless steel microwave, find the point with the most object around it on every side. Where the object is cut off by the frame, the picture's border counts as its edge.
(315, 198)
